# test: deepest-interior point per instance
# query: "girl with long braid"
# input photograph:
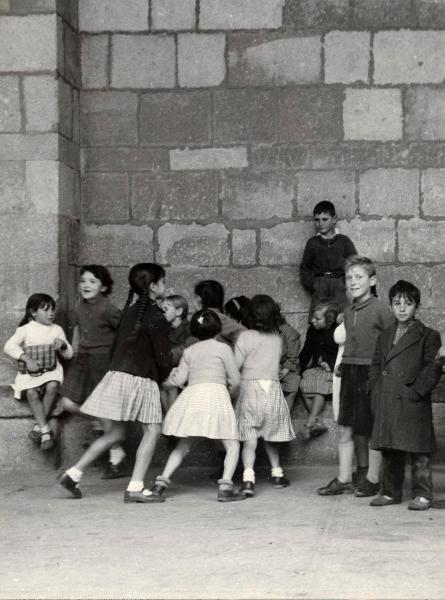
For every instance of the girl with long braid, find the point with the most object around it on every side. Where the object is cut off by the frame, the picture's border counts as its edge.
(129, 391)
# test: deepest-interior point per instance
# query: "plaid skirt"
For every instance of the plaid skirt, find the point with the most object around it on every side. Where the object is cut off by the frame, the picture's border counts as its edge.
(316, 381)
(123, 397)
(202, 410)
(83, 374)
(263, 414)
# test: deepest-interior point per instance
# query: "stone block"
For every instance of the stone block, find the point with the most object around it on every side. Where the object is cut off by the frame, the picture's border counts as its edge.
(116, 244)
(409, 57)
(22, 280)
(113, 15)
(12, 187)
(317, 15)
(66, 109)
(373, 114)
(421, 241)
(387, 275)
(69, 152)
(42, 186)
(265, 59)
(41, 103)
(201, 60)
(15, 146)
(142, 61)
(383, 14)
(32, 6)
(244, 247)
(430, 13)
(232, 14)
(425, 113)
(76, 115)
(284, 244)
(174, 196)
(244, 115)
(389, 192)
(310, 114)
(173, 15)
(208, 158)
(108, 118)
(18, 452)
(124, 159)
(32, 241)
(94, 60)
(10, 119)
(28, 43)
(292, 156)
(336, 186)
(433, 192)
(5, 6)
(257, 196)
(194, 245)
(347, 56)
(374, 238)
(105, 197)
(170, 118)
(72, 56)
(437, 295)
(68, 205)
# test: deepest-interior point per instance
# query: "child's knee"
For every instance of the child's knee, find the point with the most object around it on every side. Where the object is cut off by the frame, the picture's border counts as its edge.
(52, 387)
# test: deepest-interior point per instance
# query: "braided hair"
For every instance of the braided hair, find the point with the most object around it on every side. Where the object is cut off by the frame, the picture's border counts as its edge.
(140, 277)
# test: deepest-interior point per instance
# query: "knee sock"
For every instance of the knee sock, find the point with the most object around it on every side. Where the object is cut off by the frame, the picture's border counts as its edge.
(225, 484)
(277, 472)
(117, 455)
(75, 474)
(375, 463)
(45, 429)
(135, 486)
(249, 475)
(345, 456)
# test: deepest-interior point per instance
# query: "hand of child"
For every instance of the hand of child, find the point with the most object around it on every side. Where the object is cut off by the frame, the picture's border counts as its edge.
(340, 318)
(283, 372)
(337, 370)
(324, 365)
(32, 366)
(59, 344)
(167, 385)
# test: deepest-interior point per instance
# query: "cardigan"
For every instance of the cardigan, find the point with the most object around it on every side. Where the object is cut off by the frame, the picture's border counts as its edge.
(97, 321)
(319, 346)
(258, 354)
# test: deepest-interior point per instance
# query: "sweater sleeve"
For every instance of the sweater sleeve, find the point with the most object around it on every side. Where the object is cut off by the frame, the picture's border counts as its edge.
(158, 331)
(240, 351)
(67, 352)
(349, 247)
(233, 375)
(306, 272)
(113, 315)
(307, 351)
(14, 346)
(292, 345)
(180, 374)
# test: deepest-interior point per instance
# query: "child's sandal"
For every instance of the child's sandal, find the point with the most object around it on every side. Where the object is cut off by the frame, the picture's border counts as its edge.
(35, 434)
(47, 440)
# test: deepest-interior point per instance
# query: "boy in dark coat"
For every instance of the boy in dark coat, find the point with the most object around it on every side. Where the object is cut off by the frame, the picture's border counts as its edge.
(402, 376)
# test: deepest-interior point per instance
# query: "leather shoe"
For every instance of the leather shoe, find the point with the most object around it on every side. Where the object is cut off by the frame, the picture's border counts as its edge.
(336, 487)
(280, 482)
(248, 489)
(70, 485)
(122, 469)
(229, 495)
(419, 503)
(141, 498)
(366, 489)
(383, 500)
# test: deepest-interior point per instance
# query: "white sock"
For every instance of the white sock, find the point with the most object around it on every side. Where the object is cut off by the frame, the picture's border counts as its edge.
(135, 486)
(74, 473)
(117, 455)
(277, 472)
(45, 429)
(249, 475)
(36, 427)
(375, 463)
(345, 459)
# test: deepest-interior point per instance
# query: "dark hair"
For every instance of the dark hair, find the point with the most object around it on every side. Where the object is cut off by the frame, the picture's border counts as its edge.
(211, 293)
(330, 311)
(205, 324)
(179, 302)
(236, 308)
(263, 314)
(356, 260)
(36, 301)
(324, 207)
(405, 289)
(102, 273)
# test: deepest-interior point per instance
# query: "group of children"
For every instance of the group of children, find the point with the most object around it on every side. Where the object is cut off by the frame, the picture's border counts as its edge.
(233, 372)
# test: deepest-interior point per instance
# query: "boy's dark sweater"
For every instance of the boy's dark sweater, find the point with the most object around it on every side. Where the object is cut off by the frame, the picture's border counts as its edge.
(319, 347)
(180, 339)
(323, 255)
(148, 354)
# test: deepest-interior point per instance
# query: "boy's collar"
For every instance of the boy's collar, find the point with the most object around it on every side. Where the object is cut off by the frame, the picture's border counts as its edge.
(336, 232)
(356, 306)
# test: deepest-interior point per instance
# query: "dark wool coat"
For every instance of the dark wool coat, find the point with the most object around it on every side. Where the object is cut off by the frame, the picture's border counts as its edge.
(401, 379)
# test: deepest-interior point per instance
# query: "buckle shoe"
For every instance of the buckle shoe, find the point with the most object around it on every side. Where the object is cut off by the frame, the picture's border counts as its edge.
(419, 503)
(248, 489)
(69, 484)
(366, 489)
(336, 487)
(383, 500)
(280, 482)
(141, 498)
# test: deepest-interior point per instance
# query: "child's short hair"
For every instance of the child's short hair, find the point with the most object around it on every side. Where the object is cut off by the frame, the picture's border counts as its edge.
(205, 324)
(236, 308)
(34, 302)
(211, 293)
(324, 207)
(179, 302)
(357, 260)
(101, 273)
(330, 310)
(405, 289)
(263, 314)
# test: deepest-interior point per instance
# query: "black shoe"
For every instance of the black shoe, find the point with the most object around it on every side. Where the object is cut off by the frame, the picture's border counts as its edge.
(122, 469)
(280, 482)
(70, 485)
(317, 429)
(359, 476)
(141, 498)
(157, 490)
(336, 487)
(382, 500)
(248, 489)
(229, 495)
(366, 489)
(35, 435)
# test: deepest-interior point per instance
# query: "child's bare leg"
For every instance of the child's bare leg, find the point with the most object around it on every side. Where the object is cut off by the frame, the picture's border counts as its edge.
(115, 434)
(273, 454)
(36, 407)
(67, 405)
(177, 456)
(49, 396)
(146, 448)
(316, 404)
(231, 460)
(375, 465)
(172, 394)
(345, 453)
(248, 453)
(290, 399)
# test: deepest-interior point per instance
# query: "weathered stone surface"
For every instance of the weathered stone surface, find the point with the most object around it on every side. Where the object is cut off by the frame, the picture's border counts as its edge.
(69, 152)
(94, 60)
(105, 197)
(108, 118)
(171, 118)
(259, 196)
(22, 280)
(173, 15)
(437, 295)
(310, 114)
(433, 193)
(113, 15)
(389, 192)
(124, 159)
(10, 119)
(421, 241)
(20, 453)
(316, 14)
(28, 43)
(208, 158)
(12, 187)
(116, 244)
(193, 245)
(425, 113)
(284, 243)
(142, 61)
(76, 115)
(244, 247)
(336, 186)
(15, 146)
(347, 56)
(174, 196)
(383, 14)
(232, 14)
(244, 115)
(201, 61)
(66, 109)
(68, 204)
(41, 103)
(430, 13)
(42, 185)
(5, 6)
(268, 157)
(387, 275)
(34, 242)
(375, 238)
(72, 56)
(373, 114)
(32, 6)
(409, 57)
(263, 59)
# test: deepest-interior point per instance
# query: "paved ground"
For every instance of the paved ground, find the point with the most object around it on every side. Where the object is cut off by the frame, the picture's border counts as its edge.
(287, 543)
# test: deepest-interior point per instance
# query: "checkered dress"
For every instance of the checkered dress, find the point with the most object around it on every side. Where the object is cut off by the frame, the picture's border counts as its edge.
(123, 397)
(316, 381)
(262, 414)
